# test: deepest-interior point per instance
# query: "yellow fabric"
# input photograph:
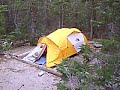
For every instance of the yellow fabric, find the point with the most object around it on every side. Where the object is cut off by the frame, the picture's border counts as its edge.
(85, 39)
(62, 39)
(58, 47)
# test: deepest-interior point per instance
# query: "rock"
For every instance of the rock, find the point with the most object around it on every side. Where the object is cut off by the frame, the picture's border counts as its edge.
(97, 45)
(79, 58)
(91, 42)
(41, 73)
(7, 56)
(95, 61)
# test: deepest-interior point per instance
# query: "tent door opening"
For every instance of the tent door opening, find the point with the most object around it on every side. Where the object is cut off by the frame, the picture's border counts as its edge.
(37, 55)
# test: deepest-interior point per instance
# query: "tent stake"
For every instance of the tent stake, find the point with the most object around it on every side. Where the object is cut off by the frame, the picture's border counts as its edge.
(49, 70)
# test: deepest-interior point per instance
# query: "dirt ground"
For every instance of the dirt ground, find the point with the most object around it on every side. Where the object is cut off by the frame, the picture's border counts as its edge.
(15, 75)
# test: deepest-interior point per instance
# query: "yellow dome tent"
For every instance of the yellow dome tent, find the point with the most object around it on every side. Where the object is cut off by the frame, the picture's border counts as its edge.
(61, 44)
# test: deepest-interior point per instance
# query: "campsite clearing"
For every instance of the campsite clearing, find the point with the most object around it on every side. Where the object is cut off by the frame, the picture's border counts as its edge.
(15, 75)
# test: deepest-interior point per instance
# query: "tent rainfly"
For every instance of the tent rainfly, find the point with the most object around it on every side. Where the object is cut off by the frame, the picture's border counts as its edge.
(61, 44)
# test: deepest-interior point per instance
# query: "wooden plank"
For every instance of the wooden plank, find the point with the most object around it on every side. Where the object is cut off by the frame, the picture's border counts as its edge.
(23, 54)
(49, 70)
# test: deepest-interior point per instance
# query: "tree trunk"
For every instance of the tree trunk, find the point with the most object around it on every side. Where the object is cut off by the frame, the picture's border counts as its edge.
(61, 17)
(93, 18)
(91, 29)
(32, 25)
(16, 20)
(46, 15)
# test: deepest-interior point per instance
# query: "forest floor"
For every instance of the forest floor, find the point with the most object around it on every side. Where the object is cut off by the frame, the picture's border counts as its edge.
(15, 75)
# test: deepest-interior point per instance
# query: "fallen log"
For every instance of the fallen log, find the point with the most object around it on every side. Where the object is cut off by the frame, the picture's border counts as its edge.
(49, 70)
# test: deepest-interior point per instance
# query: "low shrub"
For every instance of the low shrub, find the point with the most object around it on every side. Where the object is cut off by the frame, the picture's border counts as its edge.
(78, 76)
(86, 76)
(5, 46)
(110, 46)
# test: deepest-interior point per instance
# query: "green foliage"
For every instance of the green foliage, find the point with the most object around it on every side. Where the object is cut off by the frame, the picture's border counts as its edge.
(86, 52)
(34, 39)
(61, 86)
(85, 49)
(1, 48)
(75, 72)
(2, 24)
(19, 35)
(110, 46)
(86, 76)
(3, 8)
(116, 35)
(5, 46)
(23, 36)
(43, 16)
(108, 74)
(46, 15)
